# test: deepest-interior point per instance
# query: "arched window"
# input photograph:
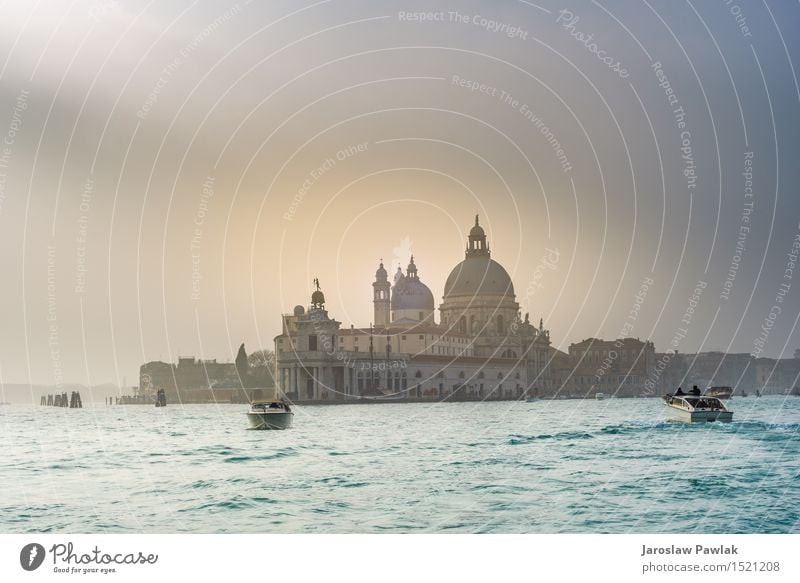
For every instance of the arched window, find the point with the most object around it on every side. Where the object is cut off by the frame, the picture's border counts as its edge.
(481, 375)
(461, 375)
(499, 375)
(418, 374)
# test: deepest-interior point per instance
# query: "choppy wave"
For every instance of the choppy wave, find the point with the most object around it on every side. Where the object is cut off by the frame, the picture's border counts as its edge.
(457, 467)
(562, 436)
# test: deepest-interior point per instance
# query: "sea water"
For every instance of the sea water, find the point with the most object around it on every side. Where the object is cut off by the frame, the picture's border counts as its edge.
(612, 466)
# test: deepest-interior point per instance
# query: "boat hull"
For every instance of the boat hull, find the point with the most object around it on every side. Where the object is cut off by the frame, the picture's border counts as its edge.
(281, 420)
(699, 416)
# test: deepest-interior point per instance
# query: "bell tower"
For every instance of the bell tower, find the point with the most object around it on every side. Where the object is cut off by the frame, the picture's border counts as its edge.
(381, 291)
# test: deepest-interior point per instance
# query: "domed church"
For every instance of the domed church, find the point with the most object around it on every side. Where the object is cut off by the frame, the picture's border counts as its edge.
(408, 303)
(479, 298)
(480, 349)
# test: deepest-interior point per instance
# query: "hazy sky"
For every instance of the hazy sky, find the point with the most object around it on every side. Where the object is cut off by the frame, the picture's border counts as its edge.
(173, 175)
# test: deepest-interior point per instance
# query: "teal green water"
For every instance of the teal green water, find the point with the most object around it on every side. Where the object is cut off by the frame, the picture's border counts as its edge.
(612, 466)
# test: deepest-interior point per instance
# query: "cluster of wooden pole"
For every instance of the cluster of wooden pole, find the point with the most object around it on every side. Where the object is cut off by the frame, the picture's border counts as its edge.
(74, 400)
(160, 399)
(61, 400)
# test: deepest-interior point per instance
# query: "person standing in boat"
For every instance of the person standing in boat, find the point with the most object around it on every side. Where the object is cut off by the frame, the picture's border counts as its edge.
(679, 392)
(695, 391)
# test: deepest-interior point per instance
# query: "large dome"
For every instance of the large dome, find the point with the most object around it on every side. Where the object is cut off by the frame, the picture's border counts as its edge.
(411, 294)
(478, 276)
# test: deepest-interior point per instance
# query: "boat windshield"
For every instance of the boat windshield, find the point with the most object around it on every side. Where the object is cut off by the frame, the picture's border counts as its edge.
(711, 404)
(272, 405)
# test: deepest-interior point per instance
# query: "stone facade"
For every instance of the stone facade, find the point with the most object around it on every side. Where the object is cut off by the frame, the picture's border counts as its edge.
(193, 380)
(613, 367)
(481, 349)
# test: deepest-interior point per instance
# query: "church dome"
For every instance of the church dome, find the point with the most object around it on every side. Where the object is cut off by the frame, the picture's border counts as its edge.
(380, 274)
(411, 294)
(477, 276)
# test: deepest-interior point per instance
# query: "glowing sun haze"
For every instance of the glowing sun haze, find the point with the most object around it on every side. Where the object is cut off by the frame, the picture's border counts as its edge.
(178, 173)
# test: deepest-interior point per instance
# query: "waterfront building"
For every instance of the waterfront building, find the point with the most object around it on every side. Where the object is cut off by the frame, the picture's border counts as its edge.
(671, 370)
(481, 348)
(614, 367)
(781, 376)
(194, 380)
(706, 369)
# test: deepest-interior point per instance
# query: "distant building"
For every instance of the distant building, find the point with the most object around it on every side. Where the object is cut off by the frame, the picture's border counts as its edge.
(481, 349)
(706, 369)
(777, 376)
(197, 381)
(741, 371)
(614, 367)
(670, 371)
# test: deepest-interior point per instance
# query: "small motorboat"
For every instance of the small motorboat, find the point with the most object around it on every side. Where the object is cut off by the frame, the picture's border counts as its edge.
(532, 397)
(720, 392)
(695, 408)
(599, 396)
(270, 415)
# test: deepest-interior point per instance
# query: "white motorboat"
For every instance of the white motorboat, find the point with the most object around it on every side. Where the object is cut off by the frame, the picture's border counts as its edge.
(720, 392)
(599, 396)
(270, 415)
(532, 397)
(697, 408)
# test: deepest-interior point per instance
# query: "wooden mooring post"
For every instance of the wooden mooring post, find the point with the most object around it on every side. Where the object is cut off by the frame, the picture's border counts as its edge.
(60, 400)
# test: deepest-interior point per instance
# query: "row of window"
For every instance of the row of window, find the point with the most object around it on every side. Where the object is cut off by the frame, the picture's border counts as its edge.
(401, 384)
(597, 355)
(593, 380)
(313, 345)
(475, 325)
(440, 375)
(421, 337)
